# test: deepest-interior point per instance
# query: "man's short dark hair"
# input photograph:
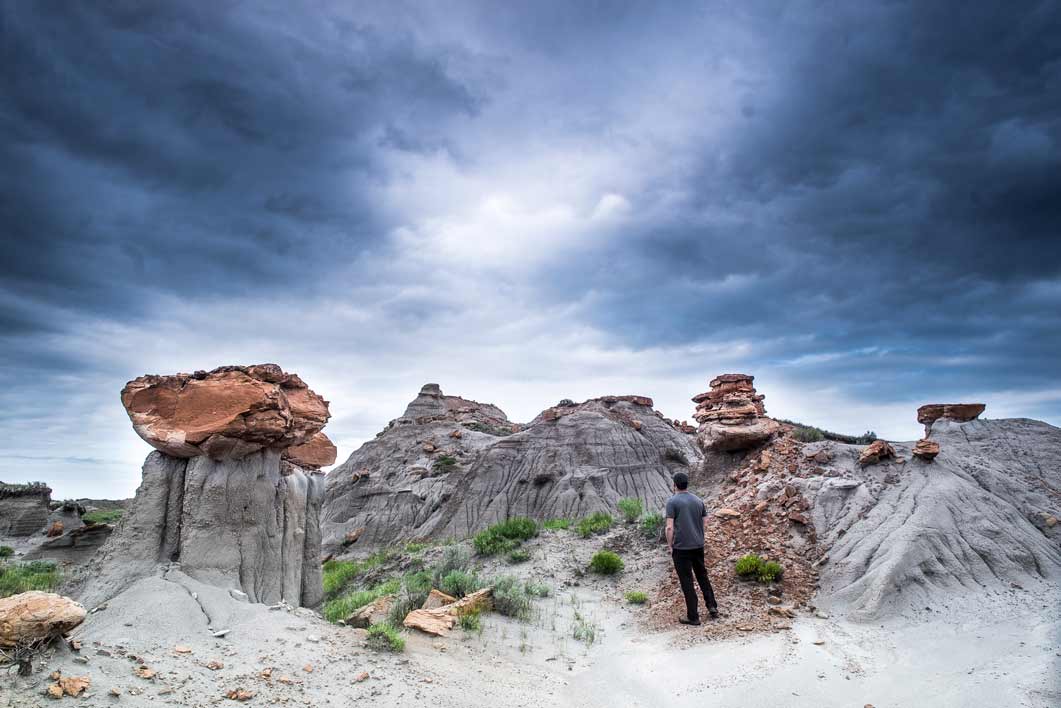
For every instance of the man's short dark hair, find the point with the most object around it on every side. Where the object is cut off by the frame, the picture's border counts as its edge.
(681, 480)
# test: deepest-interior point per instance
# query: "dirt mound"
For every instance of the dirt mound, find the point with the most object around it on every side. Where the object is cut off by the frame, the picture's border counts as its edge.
(462, 465)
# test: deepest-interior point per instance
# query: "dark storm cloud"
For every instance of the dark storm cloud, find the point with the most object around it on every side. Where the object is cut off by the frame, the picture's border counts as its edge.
(894, 186)
(196, 148)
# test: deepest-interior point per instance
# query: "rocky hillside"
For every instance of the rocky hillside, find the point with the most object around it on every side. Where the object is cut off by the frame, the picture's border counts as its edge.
(449, 467)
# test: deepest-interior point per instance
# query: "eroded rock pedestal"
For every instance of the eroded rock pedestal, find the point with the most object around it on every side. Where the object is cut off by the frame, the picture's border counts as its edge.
(234, 507)
(732, 416)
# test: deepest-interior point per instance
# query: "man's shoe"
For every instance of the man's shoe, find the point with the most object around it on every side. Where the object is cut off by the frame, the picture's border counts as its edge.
(686, 620)
(713, 614)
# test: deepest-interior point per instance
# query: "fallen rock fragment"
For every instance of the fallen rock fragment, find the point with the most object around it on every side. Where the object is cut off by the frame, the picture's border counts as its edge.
(875, 452)
(437, 598)
(725, 513)
(372, 613)
(36, 615)
(440, 620)
(239, 694)
(926, 449)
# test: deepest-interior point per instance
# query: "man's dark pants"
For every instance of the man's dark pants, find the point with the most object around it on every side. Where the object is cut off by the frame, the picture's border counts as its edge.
(687, 563)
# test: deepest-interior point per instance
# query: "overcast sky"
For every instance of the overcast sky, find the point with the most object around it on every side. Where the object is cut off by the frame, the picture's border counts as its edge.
(858, 203)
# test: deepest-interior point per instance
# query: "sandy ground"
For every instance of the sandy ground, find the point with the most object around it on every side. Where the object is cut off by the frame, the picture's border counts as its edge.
(1003, 650)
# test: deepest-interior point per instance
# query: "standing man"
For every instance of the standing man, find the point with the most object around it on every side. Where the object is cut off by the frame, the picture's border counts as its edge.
(686, 518)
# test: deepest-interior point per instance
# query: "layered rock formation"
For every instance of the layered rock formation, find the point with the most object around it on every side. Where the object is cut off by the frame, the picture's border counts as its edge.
(24, 508)
(218, 497)
(959, 412)
(926, 449)
(732, 415)
(449, 467)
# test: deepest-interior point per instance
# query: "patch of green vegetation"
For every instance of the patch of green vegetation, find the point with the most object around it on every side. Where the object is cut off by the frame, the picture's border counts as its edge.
(345, 605)
(17, 578)
(444, 463)
(496, 431)
(505, 536)
(636, 597)
(631, 509)
(752, 566)
(103, 516)
(537, 589)
(606, 563)
(384, 637)
(6, 551)
(652, 525)
(811, 433)
(459, 583)
(510, 597)
(414, 547)
(598, 522)
(337, 574)
(557, 524)
(520, 555)
(470, 622)
(583, 630)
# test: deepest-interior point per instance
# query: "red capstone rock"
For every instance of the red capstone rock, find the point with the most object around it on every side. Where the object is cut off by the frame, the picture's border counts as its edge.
(229, 412)
(926, 449)
(875, 452)
(732, 415)
(961, 412)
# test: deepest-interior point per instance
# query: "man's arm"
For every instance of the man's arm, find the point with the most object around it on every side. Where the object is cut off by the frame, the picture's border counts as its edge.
(670, 534)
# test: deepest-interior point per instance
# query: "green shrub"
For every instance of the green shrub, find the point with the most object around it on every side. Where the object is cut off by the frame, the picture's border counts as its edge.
(414, 547)
(651, 525)
(557, 524)
(606, 563)
(510, 598)
(101, 516)
(444, 463)
(749, 565)
(636, 597)
(631, 509)
(470, 621)
(504, 536)
(345, 605)
(17, 578)
(769, 572)
(520, 555)
(598, 522)
(384, 637)
(807, 435)
(453, 558)
(6, 551)
(338, 573)
(537, 589)
(459, 583)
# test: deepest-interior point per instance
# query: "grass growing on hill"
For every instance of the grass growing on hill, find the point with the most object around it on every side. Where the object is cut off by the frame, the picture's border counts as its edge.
(6, 551)
(631, 509)
(752, 566)
(636, 597)
(445, 463)
(598, 522)
(520, 555)
(344, 605)
(505, 536)
(17, 578)
(510, 597)
(384, 637)
(557, 524)
(651, 525)
(337, 574)
(103, 516)
(459, 583)
(470, 622)
(583, 630)
(811, 433)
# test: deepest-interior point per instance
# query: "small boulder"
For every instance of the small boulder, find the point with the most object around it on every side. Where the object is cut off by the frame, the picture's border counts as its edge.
(725, 513)
(875, 452)
(440, 620)
(926, 449)
(372, 613)
(37, 615)
(437, 598)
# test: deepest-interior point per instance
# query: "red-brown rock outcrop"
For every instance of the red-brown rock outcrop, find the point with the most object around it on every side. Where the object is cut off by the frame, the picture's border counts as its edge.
(226, 413)
(875, 452)
(960, 412)
(732, 415)
(37, 615)
(926, 449)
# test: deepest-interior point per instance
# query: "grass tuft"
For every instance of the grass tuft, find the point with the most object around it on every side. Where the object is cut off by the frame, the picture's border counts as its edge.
(557, 524)
(596, 523)
(631, 509)
(17, 578)
(510, 597)
(652, 525)
(384, 637)
(505, 536)
(636, 597)
(101, 516)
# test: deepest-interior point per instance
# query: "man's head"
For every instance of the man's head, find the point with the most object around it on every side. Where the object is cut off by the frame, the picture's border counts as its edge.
(681, 481)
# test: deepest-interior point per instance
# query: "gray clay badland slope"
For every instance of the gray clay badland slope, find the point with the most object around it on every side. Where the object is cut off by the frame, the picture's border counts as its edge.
(905, 535)
(450, 467)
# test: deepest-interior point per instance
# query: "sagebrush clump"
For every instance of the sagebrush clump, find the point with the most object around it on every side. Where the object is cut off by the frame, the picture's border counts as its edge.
(459, 583)
(606, 563)
(510, 597)
(652, 525)
(598, 522)
(384, 637)
(631, 509)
